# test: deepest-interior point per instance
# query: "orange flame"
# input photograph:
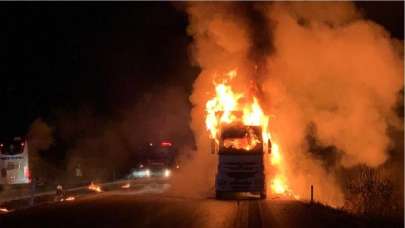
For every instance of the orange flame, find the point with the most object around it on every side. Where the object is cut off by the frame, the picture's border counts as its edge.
(70, 198)
(225, 107)
(127, 185)
(94, 187)
(278, 185)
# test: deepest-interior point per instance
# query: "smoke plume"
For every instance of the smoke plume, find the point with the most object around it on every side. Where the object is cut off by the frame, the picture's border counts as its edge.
(313, 64)
(111, 146)
(39, 136)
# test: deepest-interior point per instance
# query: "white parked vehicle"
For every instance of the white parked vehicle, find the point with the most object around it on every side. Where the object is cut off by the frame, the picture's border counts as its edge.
(14, 168)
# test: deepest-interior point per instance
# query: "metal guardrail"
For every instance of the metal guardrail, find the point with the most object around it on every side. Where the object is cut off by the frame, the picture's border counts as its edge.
(29, 195)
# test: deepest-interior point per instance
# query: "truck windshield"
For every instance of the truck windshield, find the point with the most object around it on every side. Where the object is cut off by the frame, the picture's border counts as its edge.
(241, 139)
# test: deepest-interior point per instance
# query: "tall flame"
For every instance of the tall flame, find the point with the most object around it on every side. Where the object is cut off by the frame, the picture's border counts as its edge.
(224, 107)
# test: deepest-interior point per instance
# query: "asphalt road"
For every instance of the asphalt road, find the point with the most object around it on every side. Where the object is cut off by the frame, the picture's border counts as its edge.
(153, 206)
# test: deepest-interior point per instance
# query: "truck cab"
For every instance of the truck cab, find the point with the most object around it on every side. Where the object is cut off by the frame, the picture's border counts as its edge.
(158, 160)
(241, 160)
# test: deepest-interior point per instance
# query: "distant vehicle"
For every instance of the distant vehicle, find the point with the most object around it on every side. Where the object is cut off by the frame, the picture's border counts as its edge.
(241, 163)
(14, 167)
(158, 161)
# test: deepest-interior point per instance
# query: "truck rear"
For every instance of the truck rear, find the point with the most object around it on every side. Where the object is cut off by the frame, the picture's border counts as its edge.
(241, 160)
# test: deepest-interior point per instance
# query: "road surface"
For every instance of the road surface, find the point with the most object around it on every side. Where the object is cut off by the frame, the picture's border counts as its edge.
(153, 206)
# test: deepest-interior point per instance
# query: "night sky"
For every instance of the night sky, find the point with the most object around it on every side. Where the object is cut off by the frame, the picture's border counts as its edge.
(61, 56)
(105, 56)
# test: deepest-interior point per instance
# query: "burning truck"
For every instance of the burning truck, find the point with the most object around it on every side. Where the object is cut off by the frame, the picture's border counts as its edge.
(241, 166)
(249, 160)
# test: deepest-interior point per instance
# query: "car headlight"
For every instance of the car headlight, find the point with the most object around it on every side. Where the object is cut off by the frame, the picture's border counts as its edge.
(147, 173)
(167, 173)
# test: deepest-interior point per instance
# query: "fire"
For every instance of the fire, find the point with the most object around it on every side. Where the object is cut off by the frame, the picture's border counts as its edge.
(275, 154)
(70, 198)
(127, 185)
(228, 106)
(225, 102)
(225, 108)
(247, 143)
(278, 185)
(94, 187)
(3, 209)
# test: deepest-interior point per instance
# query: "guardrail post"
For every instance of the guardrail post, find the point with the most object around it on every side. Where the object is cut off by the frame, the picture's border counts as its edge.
(312, 194)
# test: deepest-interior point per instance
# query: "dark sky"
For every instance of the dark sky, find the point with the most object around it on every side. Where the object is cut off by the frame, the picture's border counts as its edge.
(103, 55)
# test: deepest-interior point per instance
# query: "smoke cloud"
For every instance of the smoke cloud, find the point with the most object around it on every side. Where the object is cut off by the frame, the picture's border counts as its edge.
(318, 64)
(39, 136)
(105, 146)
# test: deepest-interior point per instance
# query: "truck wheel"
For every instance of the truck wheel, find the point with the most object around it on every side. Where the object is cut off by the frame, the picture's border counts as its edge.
(263, 195)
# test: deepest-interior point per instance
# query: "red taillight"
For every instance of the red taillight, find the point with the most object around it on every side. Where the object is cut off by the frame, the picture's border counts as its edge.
(165, 143)
(22, 144)
(27, 172)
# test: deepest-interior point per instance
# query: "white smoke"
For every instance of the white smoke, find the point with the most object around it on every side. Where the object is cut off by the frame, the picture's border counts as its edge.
(329, 67)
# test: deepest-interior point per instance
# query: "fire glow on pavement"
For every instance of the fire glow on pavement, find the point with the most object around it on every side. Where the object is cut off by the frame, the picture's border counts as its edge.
(4, 210)
(94, 187)
(127, 185)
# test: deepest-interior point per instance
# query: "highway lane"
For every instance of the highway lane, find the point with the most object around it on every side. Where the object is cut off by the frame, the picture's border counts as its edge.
(153, 206)
(122, 209)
